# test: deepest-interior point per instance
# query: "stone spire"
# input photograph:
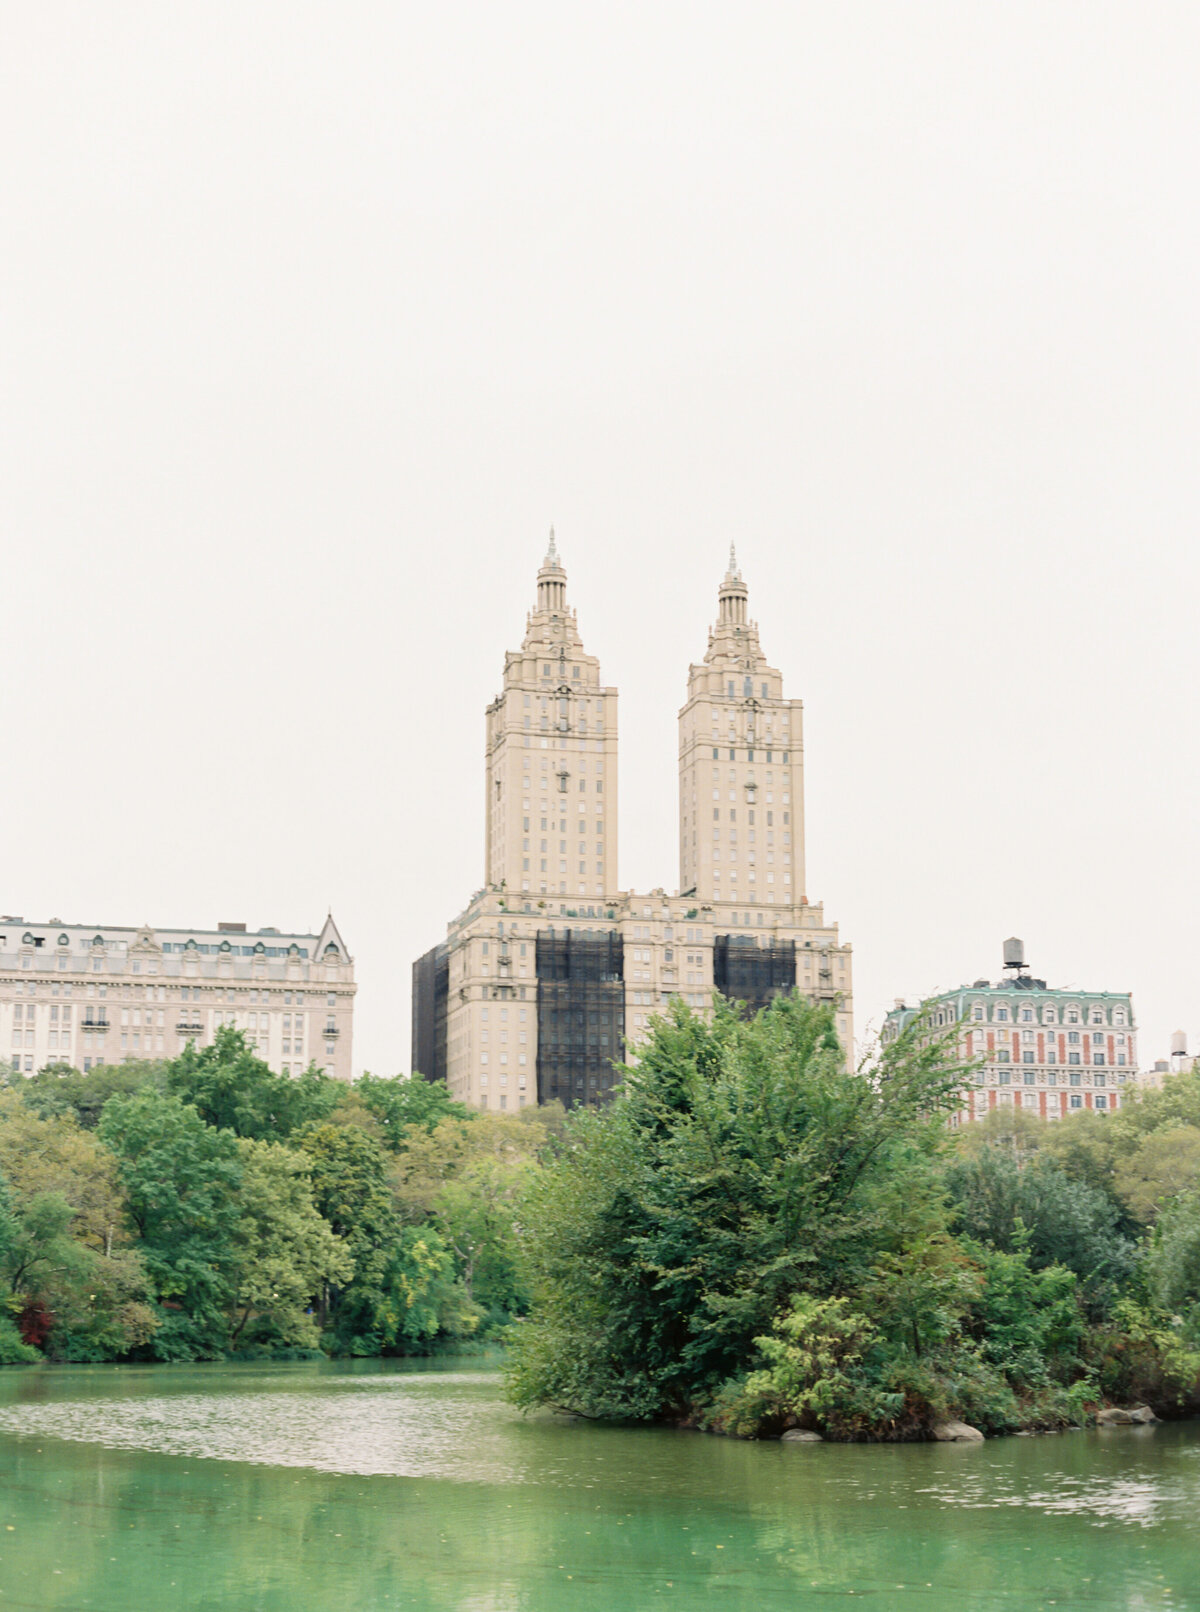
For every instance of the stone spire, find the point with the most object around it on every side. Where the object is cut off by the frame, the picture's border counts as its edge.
(552, 582)
(733, 595)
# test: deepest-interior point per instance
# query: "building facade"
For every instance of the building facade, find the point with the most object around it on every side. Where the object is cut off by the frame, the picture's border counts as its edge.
(552, 971)
(1050, 1051)
(86, 995)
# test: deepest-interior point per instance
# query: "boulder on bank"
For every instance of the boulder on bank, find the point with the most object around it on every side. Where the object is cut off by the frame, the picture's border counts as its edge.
(956, 1433)
(1117, 1416)
(797, 1435)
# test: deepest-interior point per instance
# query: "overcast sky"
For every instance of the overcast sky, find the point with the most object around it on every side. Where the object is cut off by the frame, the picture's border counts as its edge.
(313, 317)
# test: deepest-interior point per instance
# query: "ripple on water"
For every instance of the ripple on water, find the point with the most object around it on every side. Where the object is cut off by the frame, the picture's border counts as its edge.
(1117, 1499)
(395, 1427)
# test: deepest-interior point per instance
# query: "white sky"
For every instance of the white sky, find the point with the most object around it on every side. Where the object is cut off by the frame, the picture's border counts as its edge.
(313, 317)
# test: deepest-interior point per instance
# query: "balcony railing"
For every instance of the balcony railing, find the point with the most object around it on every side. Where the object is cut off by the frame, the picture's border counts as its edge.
(93, 1024)
(189, 1027)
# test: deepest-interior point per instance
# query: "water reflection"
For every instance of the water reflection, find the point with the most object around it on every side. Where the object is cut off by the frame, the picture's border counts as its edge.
(398, 1426)
(309, 1490)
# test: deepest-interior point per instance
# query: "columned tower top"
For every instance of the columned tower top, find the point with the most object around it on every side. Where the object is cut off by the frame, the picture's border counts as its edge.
(733, 595)
(552, 581)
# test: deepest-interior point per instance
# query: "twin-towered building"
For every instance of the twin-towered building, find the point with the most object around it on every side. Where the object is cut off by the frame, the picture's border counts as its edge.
(552, 969)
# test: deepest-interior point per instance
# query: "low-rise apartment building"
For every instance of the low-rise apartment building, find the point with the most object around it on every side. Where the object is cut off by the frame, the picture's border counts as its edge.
(92, 994)
(1047, 1050)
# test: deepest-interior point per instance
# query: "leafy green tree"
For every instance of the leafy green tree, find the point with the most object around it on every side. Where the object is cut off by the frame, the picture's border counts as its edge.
(467, 1175)
(406, 1103)
(231, 1088)
(1162, 1164)
(1029, 1322)
(35, 1245)
(1173, 1262)
(403, 1290)
(91, 1297)
(739, 1164)
(284, 1252)
(59, 1090)
(181, 1180)
(1149, 1108)
(1030, 1202)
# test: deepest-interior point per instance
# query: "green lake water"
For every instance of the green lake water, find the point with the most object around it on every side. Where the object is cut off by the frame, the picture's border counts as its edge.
(377, 1486)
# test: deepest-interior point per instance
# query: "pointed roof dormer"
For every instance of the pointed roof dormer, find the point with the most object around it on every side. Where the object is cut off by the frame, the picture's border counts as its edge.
(328, 937)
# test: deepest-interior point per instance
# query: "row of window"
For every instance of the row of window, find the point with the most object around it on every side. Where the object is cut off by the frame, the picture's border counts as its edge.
(1074, 1100)
(1049, 1015)
(1099, 1059)
(192, 993)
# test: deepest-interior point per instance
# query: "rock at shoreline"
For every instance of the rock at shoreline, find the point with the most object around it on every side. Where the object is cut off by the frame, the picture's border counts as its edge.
(796, 1435)
(1116, 1416)
(956, 1433)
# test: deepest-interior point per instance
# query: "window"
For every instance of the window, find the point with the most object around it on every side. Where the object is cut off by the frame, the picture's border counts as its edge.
(1073, 1038)
(1072, 1057)
(1026, 1015)
(1002, 1056)
(1076, 1102)
(1098, 1058)
(1101, 1102)
(1002, 1013)
(1027, 1057)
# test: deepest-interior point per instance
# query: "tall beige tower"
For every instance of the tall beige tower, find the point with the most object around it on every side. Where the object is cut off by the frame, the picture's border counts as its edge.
(741, 769)
(552, 759)
(552, 975)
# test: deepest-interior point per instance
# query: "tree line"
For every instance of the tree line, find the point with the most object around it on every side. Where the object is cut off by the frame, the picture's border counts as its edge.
(749, 1237)
(207, 1207)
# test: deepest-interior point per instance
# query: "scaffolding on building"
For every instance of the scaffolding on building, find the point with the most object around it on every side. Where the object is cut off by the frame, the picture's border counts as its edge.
(747, 971)
(581, 1014)
(430, 998)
